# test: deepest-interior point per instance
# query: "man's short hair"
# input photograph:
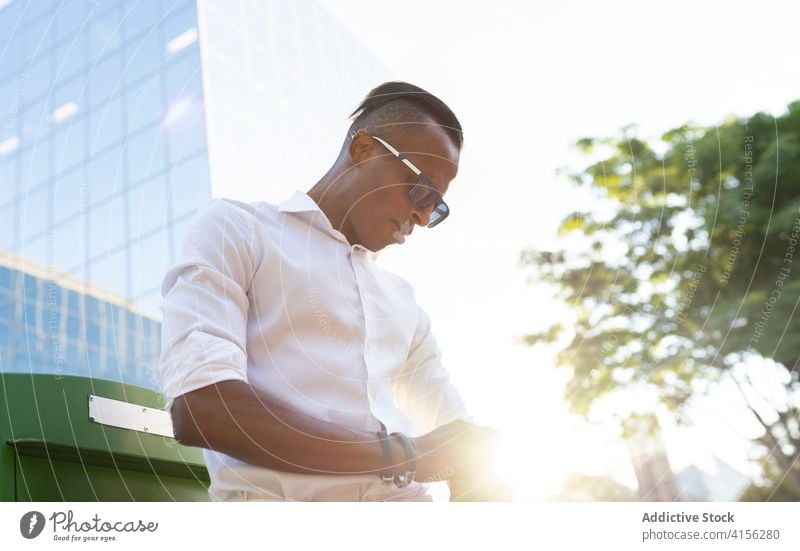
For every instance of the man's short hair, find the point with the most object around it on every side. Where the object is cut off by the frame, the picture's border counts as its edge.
(397, 109)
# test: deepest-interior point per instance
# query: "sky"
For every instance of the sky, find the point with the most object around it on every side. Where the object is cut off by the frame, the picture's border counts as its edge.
(526, 81)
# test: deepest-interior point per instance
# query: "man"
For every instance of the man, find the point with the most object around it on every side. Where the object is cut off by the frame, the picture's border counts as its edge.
(289, 356)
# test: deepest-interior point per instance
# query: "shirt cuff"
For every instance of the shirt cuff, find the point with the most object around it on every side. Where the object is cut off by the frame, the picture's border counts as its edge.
(201, 360)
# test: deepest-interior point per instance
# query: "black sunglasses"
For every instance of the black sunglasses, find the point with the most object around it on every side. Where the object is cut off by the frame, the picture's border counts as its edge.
(423, 194)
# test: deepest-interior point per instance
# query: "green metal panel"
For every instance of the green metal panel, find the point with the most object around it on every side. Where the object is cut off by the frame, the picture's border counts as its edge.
(54, 480)
(51, 451)
(8, 489)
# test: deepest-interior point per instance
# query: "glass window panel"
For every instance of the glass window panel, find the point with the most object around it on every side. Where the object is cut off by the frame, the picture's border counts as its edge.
(145, 152)
(18, 362)
(35, 250)
(29, 317)
(74, 91)
(112, 325)
(29, 314)
(147, 207)
(184, 116)
(69, 145)
(52, 304)
(106, 125)
(144, 53)
(38, 37)
(133, 351)
(76, 359)
(112, 367)
(131, 323)
(93, 332)
(174, 6)
(11, 90)
(6, 314)
(145, 104)
(106, 31)
(7, 233)
(141, 16)
(70, 17)
(188, 135)
(93, 367)
(145, 332)
(149, 260)
(188, 185)
(180, 20)
(11, 25)
(151, 303)
(11, 305)
(105, 174)
(70, 196)
(114, 341)
(73, 327)
(105, 79)
(29, 284)
(110, 272)
(106, 226)
(73, 301)
(35, 121)
(183, 75)
(5, 338)
(38, 10)
(69, 244)
(92, 307)
(179, 231)
(6, 279)
(33, 212)
(70, 58)
(38, 78)
(34, 167)
(9, 172)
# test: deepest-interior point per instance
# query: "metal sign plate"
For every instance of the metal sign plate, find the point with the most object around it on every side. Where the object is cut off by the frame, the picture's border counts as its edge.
(125, 415)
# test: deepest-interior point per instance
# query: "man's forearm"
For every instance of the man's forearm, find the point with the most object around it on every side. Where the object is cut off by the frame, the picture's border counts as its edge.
(234, 418)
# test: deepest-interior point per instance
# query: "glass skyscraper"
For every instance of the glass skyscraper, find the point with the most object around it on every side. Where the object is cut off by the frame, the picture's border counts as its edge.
(118, 119)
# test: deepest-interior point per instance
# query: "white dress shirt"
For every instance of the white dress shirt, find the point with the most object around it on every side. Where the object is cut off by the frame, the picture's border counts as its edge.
(274, 296)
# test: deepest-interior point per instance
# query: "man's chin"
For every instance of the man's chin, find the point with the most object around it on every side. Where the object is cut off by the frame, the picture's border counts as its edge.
(378, 246)
(374, 247)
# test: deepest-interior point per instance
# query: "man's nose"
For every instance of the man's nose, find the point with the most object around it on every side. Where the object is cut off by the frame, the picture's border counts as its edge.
(422, 216)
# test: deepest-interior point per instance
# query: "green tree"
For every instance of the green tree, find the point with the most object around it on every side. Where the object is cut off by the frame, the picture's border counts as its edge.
(686, 268)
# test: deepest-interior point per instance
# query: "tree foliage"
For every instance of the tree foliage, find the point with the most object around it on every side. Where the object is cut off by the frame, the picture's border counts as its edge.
(687, 266)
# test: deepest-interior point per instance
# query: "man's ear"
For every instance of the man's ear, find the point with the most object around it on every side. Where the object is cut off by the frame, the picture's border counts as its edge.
(360, 148)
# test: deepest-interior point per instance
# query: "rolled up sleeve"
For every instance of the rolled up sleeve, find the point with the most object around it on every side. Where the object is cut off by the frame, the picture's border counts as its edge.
(205, 302)
(424, 390)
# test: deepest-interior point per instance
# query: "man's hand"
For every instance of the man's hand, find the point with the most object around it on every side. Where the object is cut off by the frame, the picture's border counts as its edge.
(455, 449)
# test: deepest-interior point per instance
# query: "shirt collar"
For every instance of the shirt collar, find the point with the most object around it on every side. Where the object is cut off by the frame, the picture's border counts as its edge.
(300, 201)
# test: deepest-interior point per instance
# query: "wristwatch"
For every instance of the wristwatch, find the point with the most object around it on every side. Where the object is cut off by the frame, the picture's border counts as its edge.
(403, 480)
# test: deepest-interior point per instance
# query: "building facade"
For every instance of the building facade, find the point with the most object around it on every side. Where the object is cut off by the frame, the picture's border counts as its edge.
(118, 120)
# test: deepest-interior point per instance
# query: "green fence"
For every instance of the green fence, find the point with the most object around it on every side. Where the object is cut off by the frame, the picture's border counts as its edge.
(65, 438)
